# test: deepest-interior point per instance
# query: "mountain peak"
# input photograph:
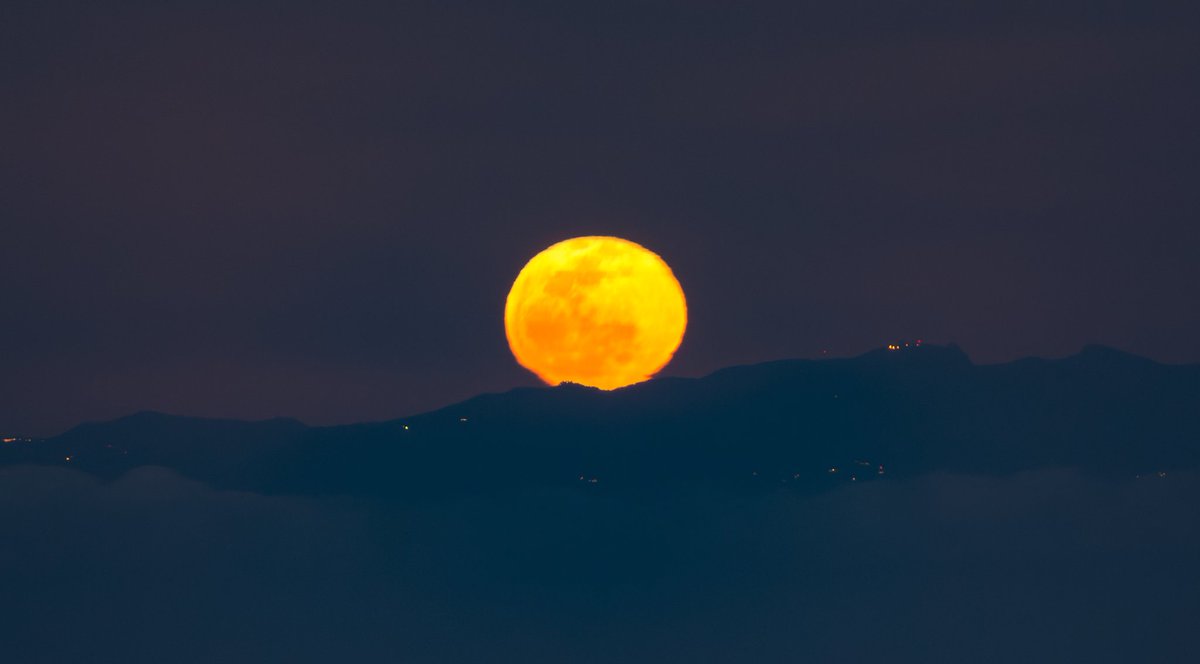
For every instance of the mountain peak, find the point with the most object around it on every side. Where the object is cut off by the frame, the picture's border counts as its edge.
(1096, 354)
(919, 352)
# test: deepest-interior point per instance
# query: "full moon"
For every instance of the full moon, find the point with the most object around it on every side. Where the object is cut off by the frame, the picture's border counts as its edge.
(598, 311)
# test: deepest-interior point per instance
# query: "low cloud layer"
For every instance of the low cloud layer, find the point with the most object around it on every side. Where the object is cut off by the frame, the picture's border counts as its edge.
(1041, 566)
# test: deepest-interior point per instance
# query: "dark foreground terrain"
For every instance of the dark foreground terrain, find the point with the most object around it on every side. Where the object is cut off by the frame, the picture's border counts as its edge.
(905, 505)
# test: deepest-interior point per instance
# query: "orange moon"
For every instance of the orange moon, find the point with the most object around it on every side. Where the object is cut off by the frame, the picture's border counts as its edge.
(596, 310)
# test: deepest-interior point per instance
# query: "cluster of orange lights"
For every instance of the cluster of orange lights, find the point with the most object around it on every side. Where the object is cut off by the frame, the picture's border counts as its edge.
(906, 344)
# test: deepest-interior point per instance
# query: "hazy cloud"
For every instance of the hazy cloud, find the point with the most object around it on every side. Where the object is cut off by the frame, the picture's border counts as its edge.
(1034, 567)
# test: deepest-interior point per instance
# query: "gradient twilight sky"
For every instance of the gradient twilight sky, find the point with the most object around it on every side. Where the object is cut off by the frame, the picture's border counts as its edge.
(316, 211)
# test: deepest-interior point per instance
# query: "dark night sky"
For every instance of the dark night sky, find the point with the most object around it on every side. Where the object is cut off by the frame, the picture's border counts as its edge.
(317, 212)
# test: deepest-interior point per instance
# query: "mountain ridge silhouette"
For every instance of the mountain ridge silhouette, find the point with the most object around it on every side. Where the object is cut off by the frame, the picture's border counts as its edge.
(891, 412)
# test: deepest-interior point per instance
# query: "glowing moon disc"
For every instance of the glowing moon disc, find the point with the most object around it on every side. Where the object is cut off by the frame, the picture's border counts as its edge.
(599, 311)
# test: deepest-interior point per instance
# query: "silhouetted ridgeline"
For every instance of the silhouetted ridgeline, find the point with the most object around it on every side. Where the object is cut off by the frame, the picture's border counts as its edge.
(799, 423)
